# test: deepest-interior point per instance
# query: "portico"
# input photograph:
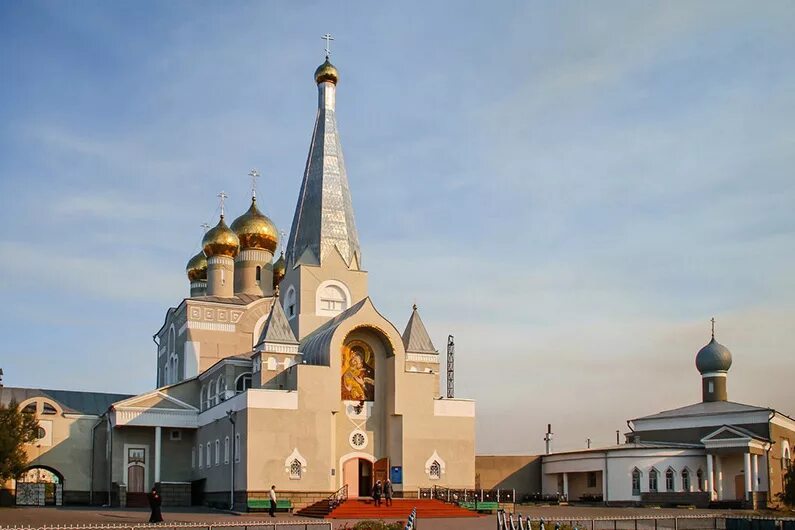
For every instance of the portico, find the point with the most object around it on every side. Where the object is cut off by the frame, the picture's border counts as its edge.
(736, 465)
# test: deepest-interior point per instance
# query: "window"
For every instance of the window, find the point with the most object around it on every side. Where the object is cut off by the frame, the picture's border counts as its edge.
(175, 435)
(243, 383)
(48, 409)
(221, 388)
(669, 480)
(653, 480)
(165, 375)
(172, 339)
(226, 450)
(710, 387)
(217, 452)
(192, 457)
(209, 460)
(700, 480)
(289, 302)
(30, 408)
(259, 273)
(685, 480)
(40, 433)
(202, 398)
(237, 447)
(174, 368)
(332, 299)
(435, 470)
(785, 460)
(591, 479)
(636, 481)
(200, 456)
(295, 470)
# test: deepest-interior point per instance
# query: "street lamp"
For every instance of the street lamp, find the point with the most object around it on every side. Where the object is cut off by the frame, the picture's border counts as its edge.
(232, 416)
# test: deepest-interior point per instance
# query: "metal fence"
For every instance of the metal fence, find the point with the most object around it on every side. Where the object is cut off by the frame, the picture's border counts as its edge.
(247, 525)
(512, 521)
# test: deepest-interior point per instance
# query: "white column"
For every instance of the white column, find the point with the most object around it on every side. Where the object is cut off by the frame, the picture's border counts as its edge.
(719, 477)
(747, 462)
(755, 477)
(710, 479)
(566, 486)
(157, 453)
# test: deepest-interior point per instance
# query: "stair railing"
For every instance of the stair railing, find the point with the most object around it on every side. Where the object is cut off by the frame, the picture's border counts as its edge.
(338, 497)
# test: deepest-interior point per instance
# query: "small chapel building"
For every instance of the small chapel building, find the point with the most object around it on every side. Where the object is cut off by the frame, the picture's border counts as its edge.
(713, 453)
(279, 371)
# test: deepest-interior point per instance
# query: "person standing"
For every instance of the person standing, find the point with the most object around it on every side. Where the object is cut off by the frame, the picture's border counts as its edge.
(154, 504)
(388, 492)
(377, 493)
(272, 511)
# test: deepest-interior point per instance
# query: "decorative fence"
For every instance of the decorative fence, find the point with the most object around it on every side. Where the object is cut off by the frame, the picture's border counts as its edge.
(248, 525)
(509, 521)
(468, 495)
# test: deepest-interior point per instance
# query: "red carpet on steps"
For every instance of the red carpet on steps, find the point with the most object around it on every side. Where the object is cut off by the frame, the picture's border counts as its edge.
(400, 509)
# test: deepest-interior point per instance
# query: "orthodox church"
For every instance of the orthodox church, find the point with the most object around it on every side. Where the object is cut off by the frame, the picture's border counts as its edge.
(271, 372)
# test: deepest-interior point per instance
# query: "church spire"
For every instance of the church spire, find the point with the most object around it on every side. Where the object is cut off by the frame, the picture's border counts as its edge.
(323, 218)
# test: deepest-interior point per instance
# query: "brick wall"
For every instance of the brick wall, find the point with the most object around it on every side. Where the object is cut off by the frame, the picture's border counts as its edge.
(175, 493)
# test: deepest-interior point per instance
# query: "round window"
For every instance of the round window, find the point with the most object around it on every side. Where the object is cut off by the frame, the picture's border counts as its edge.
(358, 439)
(40, 433)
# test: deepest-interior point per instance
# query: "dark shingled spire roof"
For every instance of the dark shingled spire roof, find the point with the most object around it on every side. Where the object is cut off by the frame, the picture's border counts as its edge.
(415, 337)
(276, 328)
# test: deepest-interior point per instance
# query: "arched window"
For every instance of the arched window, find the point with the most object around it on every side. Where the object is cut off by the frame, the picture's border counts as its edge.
(201, 457)
(48, 409)
(435, 472)
(226, 450)
(259, 273)
(165, 374)
(289, 303)
(221, 388)
(700, 480)
(243, 383)
(237, 447)
(685, 480)
(209, 460)
(295, 470)
(653, 480)
(174, 368)
(332, 299)
(786, 463)
(669, 480)
(217, 452)
(30, 408)
(636, 481)
(203, 398)
(172, 339)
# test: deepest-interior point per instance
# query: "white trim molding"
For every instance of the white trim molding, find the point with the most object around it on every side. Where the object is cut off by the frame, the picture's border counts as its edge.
(442, 466)
(346, 293)
(288, 463)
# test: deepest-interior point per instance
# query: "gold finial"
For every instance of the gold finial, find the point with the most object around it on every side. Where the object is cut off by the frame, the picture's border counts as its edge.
(713, 327)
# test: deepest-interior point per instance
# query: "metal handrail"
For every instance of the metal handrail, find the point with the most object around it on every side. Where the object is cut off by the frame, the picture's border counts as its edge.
(338, 497)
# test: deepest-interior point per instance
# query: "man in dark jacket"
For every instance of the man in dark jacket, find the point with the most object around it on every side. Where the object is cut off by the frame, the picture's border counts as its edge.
(154, 505)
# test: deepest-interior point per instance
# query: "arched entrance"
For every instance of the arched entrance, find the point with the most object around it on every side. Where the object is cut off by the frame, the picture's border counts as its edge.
(39, 486)
(357, 473)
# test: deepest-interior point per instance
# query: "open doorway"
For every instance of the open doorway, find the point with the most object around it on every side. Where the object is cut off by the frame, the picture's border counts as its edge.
(357, 474)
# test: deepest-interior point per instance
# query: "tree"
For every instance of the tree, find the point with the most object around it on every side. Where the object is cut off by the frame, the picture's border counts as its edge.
(16, 429)
(787, 496)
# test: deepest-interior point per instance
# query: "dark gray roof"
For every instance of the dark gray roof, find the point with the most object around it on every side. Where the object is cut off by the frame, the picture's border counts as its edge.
(276, 328)
(316, 345)
(323, 216)
(415, 336)
(704, 409)
(72, 401)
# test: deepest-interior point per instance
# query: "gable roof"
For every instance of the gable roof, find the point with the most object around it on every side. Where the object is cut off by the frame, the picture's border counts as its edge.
(315, 346)
(155, 400)
(733, 432)
(415, 336)
(277, 328)
(704, 409)
(71, 401)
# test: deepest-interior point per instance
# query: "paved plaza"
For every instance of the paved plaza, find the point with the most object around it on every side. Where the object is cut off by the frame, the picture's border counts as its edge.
(28, 516)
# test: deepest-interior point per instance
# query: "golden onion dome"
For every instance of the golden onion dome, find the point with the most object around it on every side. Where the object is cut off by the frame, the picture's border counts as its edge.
(255, 230)
(279, 270)
(197, 267)
(326, 72)
(220, 241)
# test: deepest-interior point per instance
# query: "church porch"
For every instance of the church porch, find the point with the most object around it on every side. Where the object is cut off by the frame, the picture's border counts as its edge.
(737, 467)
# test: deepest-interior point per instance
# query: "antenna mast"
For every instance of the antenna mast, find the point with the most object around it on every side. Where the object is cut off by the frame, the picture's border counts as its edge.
(450, 367)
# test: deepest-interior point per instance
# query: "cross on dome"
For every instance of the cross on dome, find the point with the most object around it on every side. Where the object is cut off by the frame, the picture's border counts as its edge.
(222, 197)
(254, 174)
(328, 38)
(713, 326)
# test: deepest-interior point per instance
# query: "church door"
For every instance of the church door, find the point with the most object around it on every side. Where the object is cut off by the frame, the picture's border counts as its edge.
(381, 470)
(739, 487)
(365, 478)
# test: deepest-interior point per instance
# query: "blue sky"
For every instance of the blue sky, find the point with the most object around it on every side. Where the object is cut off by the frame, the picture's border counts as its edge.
(572, 189)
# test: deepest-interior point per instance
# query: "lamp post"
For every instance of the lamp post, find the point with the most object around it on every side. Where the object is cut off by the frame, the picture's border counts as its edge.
(232, 416)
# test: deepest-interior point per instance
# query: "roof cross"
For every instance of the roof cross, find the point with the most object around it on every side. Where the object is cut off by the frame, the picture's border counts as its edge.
(254, 174)
(713, 326)
(222, 196)
(328, 38)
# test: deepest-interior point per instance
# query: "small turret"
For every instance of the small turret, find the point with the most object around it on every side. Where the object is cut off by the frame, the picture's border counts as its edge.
(258, 240)
(221, 245)
(713, 362)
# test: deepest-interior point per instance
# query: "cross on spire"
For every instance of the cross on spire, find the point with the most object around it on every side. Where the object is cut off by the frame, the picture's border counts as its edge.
(254, 174)
(328, 38)
(713, 326)
(222, 197)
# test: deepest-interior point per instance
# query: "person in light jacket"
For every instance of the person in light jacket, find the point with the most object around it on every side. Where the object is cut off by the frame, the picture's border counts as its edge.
(272, 511)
